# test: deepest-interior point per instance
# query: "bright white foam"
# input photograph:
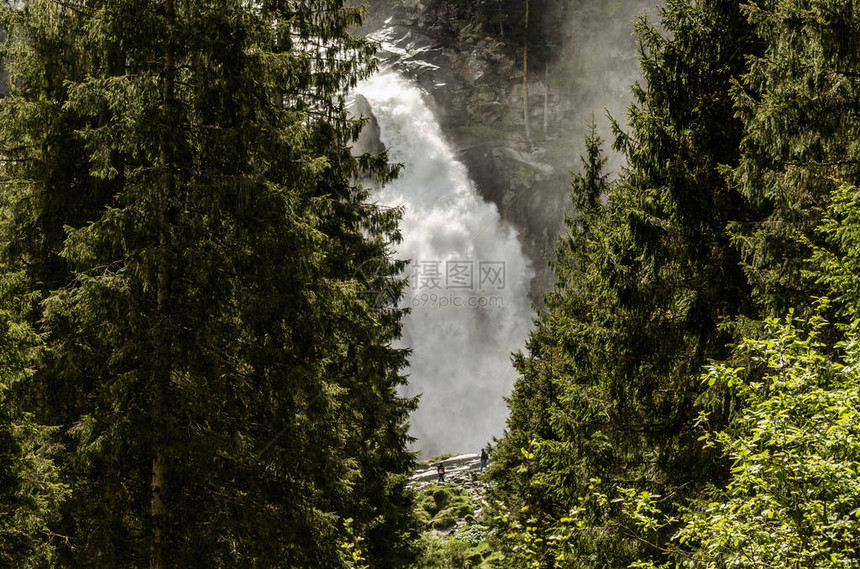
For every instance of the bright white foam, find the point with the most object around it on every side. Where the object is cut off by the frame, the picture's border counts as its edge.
(460, 360)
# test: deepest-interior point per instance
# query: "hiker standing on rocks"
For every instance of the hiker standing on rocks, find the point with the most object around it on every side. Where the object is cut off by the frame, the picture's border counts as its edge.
(484, 458)
(441, 470)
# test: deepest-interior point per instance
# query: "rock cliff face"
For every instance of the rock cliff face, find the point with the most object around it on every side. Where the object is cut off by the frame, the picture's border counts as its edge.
(477, 92)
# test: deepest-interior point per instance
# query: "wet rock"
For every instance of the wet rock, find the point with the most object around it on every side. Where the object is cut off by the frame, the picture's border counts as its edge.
(369, 141)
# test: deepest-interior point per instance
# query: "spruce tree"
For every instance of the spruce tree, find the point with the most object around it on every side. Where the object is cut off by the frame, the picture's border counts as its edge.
(738, 202)
(229, 382)
(42, 190)
(799, 104)
(30, 490)
(639, 305)
(536, 466)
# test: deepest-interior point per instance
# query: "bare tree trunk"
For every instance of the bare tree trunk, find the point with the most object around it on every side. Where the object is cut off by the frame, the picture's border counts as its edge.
(158, 511)
(158, 507)
(108, 551)
(501, 22)
(526, 78)
(116, 66)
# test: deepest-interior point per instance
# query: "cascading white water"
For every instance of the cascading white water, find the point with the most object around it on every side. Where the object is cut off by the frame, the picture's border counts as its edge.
(469, 278)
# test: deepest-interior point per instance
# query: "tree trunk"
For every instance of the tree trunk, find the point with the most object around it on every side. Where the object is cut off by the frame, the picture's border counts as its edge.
(526, 78)
(158, 507)
(158, 511)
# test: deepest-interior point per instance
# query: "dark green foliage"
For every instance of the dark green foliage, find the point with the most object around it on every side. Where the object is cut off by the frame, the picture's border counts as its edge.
(30, 492)
(738, 201)
(799, 103)
(610, 384)
(219, 310)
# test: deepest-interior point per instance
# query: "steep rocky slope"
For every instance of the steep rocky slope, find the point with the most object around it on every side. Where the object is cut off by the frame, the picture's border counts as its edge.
(477, 90)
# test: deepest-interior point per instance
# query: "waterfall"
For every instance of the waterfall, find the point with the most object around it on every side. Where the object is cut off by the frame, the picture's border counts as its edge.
(469, 278)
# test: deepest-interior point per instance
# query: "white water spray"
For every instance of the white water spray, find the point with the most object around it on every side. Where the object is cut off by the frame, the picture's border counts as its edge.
(469, 278)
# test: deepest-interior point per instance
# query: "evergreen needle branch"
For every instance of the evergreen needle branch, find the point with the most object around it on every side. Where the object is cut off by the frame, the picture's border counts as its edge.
(313, 400)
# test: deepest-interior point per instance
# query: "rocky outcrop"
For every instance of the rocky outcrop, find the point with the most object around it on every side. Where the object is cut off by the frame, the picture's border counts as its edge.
(369, 141)
(457, 468)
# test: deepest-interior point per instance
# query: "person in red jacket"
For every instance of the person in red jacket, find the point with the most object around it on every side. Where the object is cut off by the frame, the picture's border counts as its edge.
(441, 470)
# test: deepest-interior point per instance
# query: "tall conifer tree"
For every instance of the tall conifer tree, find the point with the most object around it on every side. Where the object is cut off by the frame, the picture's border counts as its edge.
(225, 353)
(639, 303)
